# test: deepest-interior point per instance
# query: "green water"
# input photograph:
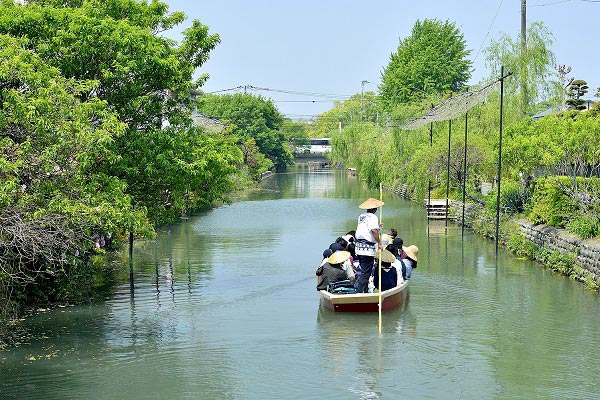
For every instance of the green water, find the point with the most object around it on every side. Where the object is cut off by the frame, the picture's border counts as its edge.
(224, 306)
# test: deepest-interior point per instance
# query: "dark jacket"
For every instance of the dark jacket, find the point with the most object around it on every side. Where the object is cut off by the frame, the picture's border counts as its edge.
(389, 278)
(330, 274)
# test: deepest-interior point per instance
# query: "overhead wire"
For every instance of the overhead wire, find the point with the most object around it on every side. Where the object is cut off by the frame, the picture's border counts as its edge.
(332, 96)
(549, 4)
(489, 29)
(561, 1)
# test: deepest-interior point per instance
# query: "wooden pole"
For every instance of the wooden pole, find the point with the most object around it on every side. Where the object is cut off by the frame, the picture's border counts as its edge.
(464, 188)
(379, 266)
(429, 182)
(131, 256)
(448, 172)
(499, 158)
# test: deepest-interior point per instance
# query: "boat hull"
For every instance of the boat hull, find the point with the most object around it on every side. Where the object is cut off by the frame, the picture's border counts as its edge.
(365, 302)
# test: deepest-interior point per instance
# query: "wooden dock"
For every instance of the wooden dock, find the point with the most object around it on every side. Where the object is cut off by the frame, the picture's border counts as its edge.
(436, 208)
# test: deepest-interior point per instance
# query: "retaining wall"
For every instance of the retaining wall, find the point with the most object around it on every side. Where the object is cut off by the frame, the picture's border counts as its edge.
(553, 239)
(543, 236)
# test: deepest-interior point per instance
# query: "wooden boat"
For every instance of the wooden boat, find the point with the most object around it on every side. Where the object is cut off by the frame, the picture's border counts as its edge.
(365, 302)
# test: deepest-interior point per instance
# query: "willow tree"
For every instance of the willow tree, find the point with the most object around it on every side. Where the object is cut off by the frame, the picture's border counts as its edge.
(535, 78)
(433, 59)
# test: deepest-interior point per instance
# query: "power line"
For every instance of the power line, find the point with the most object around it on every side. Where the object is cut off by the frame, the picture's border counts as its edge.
(561, 1)
(312, 94)
(489, 29)
(548, 4)
(306, 101)
(331, 96)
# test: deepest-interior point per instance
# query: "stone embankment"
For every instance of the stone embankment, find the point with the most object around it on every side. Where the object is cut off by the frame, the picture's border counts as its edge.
(553, 239)
(542, 236)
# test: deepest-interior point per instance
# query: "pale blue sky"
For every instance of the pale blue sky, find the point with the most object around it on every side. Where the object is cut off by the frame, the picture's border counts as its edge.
(330, 47)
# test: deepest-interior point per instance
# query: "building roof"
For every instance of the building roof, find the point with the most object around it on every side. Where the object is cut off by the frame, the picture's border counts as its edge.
(206, 122)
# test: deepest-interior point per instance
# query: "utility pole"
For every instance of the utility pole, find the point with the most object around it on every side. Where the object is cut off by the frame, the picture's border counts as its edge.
(523, 24)
(362, 95)
(524, 94)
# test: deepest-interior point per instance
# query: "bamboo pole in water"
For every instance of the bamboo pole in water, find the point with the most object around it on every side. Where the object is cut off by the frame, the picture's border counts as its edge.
(379, 278)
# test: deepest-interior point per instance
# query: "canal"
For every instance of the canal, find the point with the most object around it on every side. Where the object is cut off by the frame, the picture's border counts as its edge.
(223, 306)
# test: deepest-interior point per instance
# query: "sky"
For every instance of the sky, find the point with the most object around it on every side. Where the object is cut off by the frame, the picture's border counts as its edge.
(310, 52)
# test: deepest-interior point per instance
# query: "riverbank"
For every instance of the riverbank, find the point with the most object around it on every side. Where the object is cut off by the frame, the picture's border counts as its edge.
(554, 248)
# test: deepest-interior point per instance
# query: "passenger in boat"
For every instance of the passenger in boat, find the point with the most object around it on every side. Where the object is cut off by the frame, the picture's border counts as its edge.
(411, 259)
(353, 260)
(341, 241)
(332, 270)
(346, 266)
(367, 241)
(387, 238)
(389, 274)
(396, 249)
(349, 237)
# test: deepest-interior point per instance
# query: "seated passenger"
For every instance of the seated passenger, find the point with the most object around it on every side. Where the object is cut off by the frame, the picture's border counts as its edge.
(389, 274)
(331, 271)
(411, 259)
(326, 254)
(342, 242)
(395, 245)
(345, 242)
(396, 249)
(347, 265)
(387, 238)
(349, 237)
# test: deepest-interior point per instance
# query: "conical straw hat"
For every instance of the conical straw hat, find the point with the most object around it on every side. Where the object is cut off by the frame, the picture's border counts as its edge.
(411, 251)
(371, 203)
(386, 256)
(338, 257)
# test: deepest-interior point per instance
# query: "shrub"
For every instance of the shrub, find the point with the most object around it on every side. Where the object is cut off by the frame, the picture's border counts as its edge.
(550, 204)
(514, 198)
(584, 226)
(519, 245)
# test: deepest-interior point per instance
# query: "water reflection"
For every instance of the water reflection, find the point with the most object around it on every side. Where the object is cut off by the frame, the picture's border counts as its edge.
(356, 353)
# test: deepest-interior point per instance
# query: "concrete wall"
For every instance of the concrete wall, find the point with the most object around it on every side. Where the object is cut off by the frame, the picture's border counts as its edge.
(553, 239)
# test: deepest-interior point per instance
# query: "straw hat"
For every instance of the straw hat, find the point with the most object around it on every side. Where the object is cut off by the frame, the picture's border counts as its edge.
(371, 203)
(411, 251)
(385, 256)
(338, 257)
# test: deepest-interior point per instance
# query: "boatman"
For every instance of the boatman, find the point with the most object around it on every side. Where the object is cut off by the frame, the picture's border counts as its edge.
(367, 242)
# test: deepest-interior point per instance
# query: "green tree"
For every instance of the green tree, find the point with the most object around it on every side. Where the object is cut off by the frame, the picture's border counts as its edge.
(251, 117)
(116, 44)
(562, 144)
(532, 70)
(57, 206)
(95, 137)
(577, 89)
(295, 133)
(433, 59)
